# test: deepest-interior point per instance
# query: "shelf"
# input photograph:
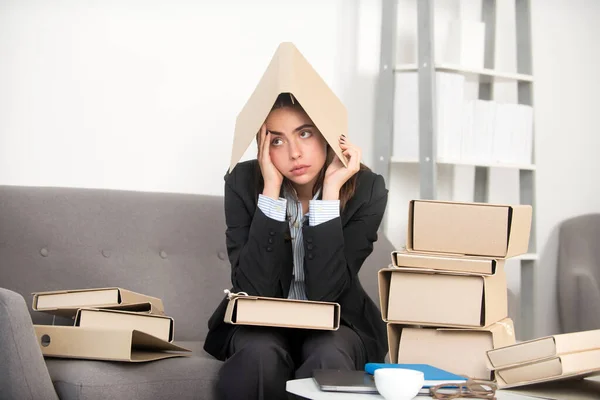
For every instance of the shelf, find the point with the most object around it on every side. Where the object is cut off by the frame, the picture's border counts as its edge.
(529, 167)
(486, 75)
(527, 257)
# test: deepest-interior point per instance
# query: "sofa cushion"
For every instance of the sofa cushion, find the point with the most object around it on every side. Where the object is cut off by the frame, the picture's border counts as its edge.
(174, 378)
(166, 245)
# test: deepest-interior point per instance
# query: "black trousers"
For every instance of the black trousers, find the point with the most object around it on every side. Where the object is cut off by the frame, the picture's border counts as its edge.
(261, 359)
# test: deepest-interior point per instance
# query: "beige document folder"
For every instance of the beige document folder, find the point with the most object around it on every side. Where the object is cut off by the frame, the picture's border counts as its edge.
(444, 262)
(461, 351)
(66, 302)
(549, 346)
(475, 229)
(156, 325)
(290, 72)
(126, 345)
(267, 311)
(566, 366)
(415, 296)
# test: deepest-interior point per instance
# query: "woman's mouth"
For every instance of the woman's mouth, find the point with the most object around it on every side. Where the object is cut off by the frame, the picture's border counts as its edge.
(299, 170)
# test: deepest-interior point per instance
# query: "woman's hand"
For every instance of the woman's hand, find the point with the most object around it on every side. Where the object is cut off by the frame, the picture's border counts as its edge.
(336, 174)
(271, 175)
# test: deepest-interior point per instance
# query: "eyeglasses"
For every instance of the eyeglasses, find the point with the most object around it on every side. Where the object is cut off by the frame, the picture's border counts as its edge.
(472, 389)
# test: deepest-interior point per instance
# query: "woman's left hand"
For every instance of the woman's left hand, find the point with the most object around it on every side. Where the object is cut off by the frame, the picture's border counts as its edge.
(336, 174)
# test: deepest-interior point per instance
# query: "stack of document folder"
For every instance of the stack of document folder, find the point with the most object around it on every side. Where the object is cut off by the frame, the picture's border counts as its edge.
(112, 324)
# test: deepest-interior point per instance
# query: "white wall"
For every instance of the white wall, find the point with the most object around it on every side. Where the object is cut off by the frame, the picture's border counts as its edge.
(566, 67)
(143, 96)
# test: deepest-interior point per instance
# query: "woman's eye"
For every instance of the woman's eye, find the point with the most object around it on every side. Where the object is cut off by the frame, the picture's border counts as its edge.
(305, 134)
(276, 141)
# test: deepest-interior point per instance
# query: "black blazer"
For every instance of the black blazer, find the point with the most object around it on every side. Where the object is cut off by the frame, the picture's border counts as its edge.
(260, 253)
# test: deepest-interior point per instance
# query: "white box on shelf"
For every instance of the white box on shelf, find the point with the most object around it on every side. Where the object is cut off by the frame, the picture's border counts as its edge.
(478, 131)
(513, 134)
(449, 100)
(502, 150)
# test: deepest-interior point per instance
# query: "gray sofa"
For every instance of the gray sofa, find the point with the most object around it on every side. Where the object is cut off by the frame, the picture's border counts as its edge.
(170, 246)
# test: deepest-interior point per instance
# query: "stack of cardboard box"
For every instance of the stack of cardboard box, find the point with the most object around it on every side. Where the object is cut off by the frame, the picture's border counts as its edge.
(445, 297)
(111, 324)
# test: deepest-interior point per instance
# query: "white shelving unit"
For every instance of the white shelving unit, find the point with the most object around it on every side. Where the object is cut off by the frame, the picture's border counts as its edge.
(426, 67)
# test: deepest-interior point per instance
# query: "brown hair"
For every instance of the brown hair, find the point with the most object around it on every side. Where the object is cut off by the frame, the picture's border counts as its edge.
(287, 100)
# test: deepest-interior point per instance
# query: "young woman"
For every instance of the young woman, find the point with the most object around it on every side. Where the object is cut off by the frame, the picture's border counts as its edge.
(299, 225)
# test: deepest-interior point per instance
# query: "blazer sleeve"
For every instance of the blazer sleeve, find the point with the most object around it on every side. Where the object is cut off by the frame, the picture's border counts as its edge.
(255, 245)
(334, 255)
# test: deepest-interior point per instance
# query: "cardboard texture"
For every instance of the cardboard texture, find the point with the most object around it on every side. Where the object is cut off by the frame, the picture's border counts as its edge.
(461, 351)
(127, 345)
(266, 311)
(476, 229)
(290, 72)
(158, 326)
(66, 302)
(545, 347)
(442, 262)
(446, 299)
(566, 366)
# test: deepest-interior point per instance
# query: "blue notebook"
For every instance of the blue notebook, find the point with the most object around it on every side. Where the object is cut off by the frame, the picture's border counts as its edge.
(433, 375)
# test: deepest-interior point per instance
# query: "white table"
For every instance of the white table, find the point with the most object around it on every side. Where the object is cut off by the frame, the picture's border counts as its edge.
(307, 388)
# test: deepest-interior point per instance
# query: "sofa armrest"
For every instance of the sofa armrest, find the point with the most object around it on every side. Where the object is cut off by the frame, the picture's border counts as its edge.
(588, 304)
(23, 372)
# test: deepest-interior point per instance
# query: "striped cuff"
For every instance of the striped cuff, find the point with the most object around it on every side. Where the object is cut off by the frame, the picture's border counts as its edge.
(274, 209)
(320, 211)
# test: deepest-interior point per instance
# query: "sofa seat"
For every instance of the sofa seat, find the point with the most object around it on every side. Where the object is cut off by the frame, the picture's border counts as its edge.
(174, 378)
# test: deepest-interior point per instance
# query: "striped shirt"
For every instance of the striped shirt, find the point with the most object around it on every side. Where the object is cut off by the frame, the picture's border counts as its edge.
(319, 211)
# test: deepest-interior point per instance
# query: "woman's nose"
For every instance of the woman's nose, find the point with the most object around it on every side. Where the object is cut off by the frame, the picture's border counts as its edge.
(295, 151)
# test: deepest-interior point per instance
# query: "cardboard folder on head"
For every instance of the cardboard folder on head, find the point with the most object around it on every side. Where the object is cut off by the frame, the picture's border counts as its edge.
(127, 345)
(290, 72)
(286, 313)
(65, 303)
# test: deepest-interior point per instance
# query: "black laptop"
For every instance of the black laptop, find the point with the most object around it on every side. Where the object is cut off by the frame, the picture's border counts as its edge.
(333, 380)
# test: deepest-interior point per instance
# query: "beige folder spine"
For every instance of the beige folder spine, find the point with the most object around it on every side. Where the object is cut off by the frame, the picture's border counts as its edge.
(545, 347)
(69, 342)
(283, 312)
(563, 366)
(155, 325)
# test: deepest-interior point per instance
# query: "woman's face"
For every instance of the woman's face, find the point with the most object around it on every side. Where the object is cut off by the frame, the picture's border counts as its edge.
(297, 148)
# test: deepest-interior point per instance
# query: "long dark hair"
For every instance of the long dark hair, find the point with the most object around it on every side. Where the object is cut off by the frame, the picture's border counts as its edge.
(287, 100)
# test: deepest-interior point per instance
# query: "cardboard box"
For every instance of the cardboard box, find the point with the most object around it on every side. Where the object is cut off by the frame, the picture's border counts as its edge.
(65, 303)
(290, 72)
(566, 366)
(542, 348)
(267, 311)
(476, 229)
(126, 345)
(159, 326)
(461, 351)
(443, 262)
(447, 299)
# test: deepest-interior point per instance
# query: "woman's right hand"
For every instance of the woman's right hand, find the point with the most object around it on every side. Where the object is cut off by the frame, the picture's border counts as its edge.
(272, 177)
